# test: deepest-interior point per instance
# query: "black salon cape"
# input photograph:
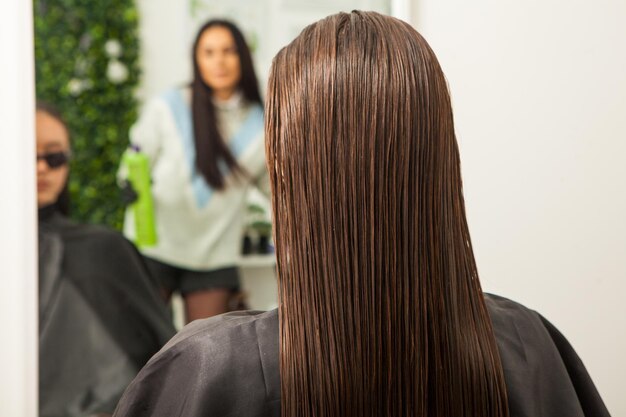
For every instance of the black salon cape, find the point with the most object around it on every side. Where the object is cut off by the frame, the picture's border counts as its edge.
(228, 366)
(100, 317)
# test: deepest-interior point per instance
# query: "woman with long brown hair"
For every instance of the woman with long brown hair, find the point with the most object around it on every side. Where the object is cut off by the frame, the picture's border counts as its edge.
(205, 146)
(380, 312)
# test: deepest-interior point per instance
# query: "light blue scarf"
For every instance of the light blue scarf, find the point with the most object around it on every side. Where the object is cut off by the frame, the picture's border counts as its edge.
(238, 143)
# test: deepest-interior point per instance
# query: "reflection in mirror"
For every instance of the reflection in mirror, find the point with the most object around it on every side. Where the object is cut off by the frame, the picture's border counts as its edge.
(100, 319)
(189, 193)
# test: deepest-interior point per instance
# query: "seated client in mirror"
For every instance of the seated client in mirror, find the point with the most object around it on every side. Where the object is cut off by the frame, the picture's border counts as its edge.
(100, 316)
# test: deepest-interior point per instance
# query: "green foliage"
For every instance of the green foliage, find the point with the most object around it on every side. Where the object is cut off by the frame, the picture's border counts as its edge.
(77, 43)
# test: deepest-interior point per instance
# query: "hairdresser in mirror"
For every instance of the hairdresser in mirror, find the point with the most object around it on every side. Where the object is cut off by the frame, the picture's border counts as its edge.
(381, 312)
(100, 318)
(204, 142)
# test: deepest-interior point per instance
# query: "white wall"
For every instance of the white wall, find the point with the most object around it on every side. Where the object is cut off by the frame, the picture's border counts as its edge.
(539, 92)
(18, 246)
(165, 45)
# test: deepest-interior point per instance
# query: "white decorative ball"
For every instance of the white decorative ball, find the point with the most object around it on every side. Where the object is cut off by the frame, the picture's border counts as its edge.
(75, 86)
(113, 48)
(117, 72)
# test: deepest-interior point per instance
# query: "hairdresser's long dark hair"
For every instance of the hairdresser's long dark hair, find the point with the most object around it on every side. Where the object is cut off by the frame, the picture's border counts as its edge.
(63, 200)
(211, 147)
(380, 307)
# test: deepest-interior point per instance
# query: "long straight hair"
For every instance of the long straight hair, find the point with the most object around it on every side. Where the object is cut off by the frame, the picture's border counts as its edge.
(211, 147)
(380, 307)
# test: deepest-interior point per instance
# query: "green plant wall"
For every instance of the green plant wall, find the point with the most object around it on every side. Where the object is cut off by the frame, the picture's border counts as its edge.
(86, 60)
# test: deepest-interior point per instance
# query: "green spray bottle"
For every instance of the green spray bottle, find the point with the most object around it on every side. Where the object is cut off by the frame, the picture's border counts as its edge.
(138, 169)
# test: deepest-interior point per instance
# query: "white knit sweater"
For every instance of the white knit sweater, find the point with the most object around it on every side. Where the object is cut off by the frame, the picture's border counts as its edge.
(197, 227)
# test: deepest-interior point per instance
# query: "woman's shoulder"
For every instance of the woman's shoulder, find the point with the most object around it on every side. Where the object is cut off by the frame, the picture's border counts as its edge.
(536, 358)
(98, 243)
(499, 306)
(87, 233)
(520, 332)
(180, 94)
(230, 339)
(223, 365)
(246, 325)
(167, 101)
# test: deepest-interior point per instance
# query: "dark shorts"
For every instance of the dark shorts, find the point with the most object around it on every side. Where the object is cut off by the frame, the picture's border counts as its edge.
(173, 278)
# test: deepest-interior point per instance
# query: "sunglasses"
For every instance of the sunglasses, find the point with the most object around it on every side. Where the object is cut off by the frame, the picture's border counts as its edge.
(55, 159)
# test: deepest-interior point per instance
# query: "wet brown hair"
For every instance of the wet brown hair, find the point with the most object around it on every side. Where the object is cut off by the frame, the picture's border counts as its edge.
(381, 311)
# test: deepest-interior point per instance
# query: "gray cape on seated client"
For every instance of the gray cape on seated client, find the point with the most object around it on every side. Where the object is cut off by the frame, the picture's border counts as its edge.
(229, 366)
(100, 317)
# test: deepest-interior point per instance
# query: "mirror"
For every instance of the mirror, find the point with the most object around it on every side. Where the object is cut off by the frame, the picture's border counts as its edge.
(101, 73)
